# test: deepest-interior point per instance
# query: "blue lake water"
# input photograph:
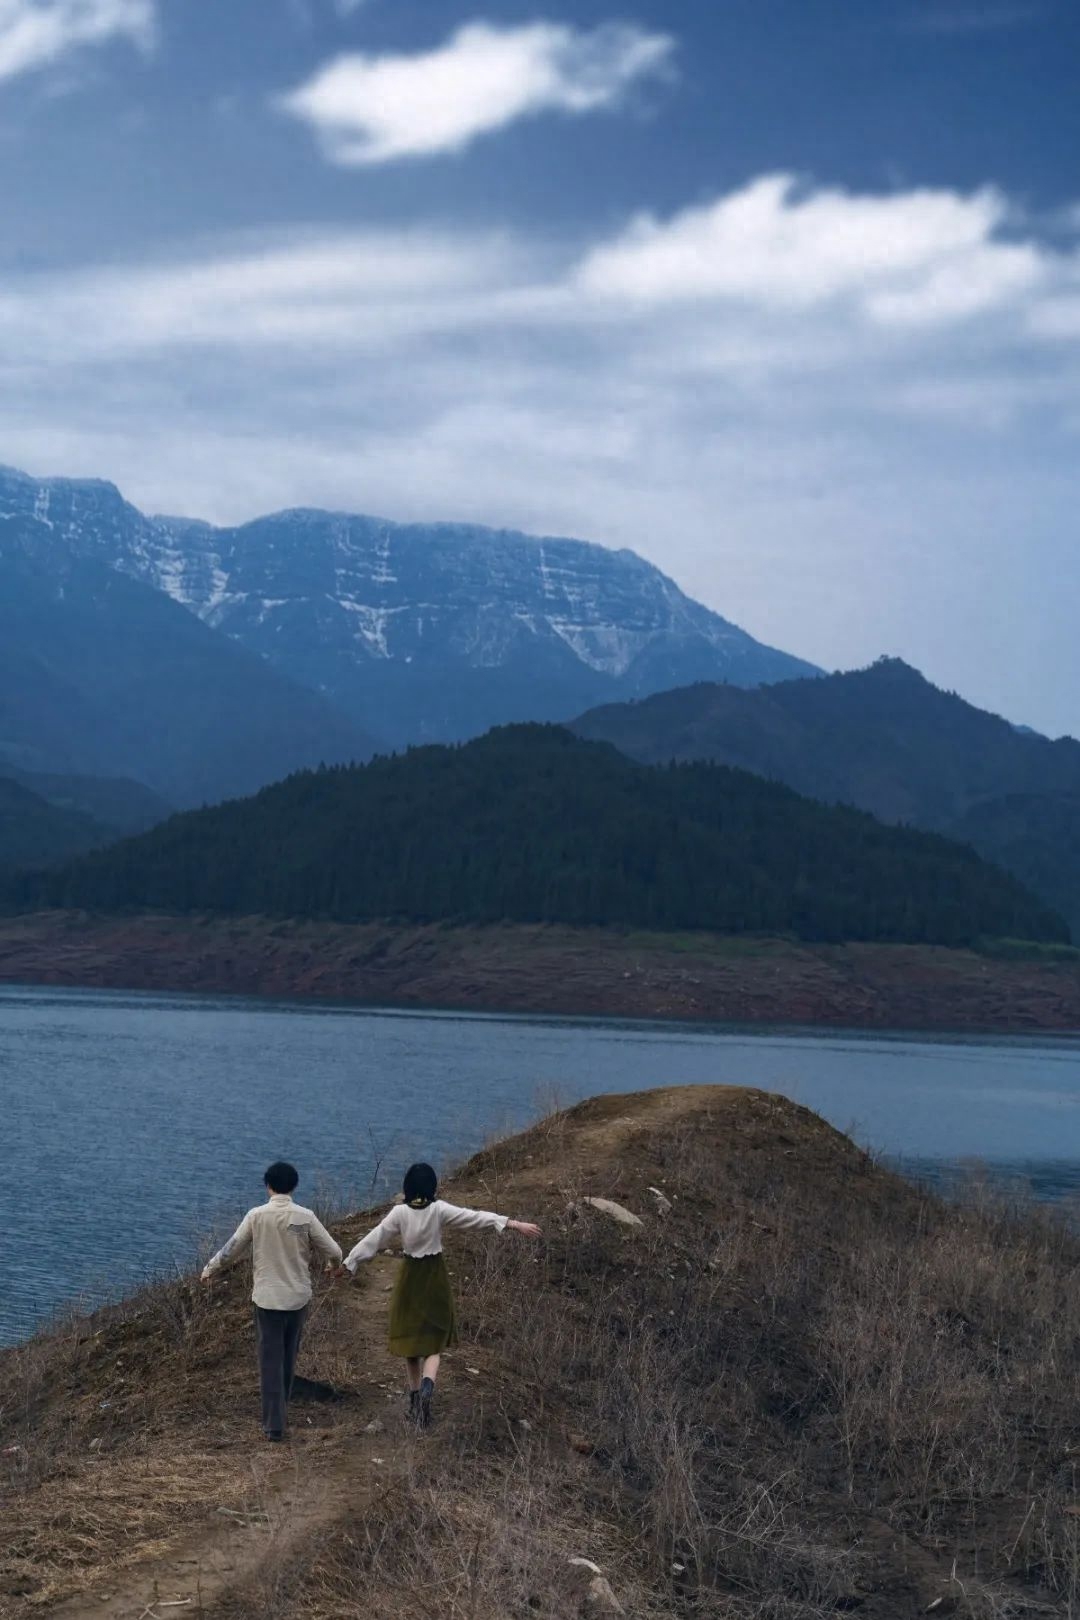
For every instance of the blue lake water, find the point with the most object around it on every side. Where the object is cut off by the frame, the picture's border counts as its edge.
(134, 1126)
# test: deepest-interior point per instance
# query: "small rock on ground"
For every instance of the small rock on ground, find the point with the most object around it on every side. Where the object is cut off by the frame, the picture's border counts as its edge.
(600, 1601)
(617, 1212)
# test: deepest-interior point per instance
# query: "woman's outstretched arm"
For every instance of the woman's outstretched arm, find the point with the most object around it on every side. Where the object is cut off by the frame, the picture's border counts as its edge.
(471, 1220)
(377, 1239)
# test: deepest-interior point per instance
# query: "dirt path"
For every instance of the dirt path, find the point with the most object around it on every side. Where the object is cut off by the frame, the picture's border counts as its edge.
(342, 1454)
(337, 1456)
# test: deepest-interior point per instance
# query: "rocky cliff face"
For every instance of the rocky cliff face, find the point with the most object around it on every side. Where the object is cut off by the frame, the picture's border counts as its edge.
(420, 631)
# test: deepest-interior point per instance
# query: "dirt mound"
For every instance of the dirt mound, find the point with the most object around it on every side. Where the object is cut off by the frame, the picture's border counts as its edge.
(795, 1387)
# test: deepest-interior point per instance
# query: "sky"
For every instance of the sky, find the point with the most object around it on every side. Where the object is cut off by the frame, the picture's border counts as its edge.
(782, 294)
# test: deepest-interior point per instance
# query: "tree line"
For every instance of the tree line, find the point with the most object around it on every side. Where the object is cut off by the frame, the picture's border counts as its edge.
(532, 824)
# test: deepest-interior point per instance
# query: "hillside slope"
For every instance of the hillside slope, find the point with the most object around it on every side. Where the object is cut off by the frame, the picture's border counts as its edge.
(531, 824)
(101, 675)
(34, 832)
(118, 803)
(1036, 836)
(888, 741)
(798, 1388)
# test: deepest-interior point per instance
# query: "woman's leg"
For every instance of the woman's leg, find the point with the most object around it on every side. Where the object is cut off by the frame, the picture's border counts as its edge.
(427, 1388)
(414, 1366)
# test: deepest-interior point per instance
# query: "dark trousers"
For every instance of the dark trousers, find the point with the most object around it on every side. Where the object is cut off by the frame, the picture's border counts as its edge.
(279, 1334)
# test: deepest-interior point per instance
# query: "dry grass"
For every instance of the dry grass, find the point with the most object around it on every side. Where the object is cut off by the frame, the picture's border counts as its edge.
(112, 1434)
(808, 1390)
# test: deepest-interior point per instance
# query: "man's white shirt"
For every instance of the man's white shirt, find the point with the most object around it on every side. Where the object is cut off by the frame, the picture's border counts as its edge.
(281, 1236)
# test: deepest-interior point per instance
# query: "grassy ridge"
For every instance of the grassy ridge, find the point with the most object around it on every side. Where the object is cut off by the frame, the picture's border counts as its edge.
(804, 1389)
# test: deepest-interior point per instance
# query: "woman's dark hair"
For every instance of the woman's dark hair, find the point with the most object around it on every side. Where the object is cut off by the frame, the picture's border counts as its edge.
(281, 1177)
(420, 1186)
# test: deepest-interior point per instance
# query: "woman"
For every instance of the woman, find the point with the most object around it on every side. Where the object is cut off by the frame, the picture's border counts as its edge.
(422, 1321)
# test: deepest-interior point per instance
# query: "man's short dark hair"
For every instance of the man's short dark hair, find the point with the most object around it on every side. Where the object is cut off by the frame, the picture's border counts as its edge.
(282, 1177)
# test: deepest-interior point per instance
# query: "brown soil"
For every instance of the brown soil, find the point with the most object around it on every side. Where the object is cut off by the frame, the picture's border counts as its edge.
(549, 970)
(803, 1389)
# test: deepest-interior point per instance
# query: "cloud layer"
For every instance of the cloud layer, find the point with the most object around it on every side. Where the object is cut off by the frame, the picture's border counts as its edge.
(773, 259)
(34, 33)
(745, 392)
(378, 109)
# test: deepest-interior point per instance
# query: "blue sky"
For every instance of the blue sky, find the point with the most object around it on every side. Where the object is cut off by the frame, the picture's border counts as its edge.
(784, 294)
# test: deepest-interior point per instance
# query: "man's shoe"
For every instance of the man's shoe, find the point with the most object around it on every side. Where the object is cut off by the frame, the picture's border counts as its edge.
(274, 1434)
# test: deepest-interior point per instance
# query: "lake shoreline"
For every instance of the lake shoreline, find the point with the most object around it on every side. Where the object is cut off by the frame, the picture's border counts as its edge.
(549, 969)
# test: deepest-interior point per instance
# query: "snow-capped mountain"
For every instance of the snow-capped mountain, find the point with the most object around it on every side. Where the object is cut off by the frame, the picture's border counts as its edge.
(102, 676)
(419, 631)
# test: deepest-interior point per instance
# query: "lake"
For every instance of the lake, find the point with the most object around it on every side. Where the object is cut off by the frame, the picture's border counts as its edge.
(135, 1127)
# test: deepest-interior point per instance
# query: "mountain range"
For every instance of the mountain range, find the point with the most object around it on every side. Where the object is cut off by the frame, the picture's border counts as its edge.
(151, 663)
(412, 632)
(888, 741)
(532, 824)
(103, 676)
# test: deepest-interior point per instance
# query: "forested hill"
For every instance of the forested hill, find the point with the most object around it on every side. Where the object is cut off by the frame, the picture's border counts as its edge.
(888, 741)
(532, 824)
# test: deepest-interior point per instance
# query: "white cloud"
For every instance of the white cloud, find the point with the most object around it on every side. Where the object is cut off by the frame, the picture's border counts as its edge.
(823, 466)
(767, 279)
(34, 33)
(375, 109)
(913, 257)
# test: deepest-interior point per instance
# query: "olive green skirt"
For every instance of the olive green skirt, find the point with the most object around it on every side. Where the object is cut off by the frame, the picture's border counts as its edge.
(422, 1320)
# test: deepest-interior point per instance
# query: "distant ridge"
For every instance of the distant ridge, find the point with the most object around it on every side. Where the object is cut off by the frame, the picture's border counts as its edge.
(103, 676)
(887, 740)
(533, 824)
(417, 632)
(35, 833)
(117, 803)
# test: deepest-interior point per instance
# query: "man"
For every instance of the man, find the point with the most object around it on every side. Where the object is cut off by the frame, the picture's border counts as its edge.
(280, 1235)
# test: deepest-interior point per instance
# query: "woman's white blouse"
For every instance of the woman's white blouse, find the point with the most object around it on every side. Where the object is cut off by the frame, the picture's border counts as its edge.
(420, 1230)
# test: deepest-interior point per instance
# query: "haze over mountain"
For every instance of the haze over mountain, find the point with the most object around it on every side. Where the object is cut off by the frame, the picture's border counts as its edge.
(46, 818)
(101, 675)
(34, 832)
(888, 741)
(120, 804)
(533, 824)
(416, 631)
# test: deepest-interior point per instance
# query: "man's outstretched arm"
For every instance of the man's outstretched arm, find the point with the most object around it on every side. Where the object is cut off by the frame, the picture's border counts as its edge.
(238, 1245)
